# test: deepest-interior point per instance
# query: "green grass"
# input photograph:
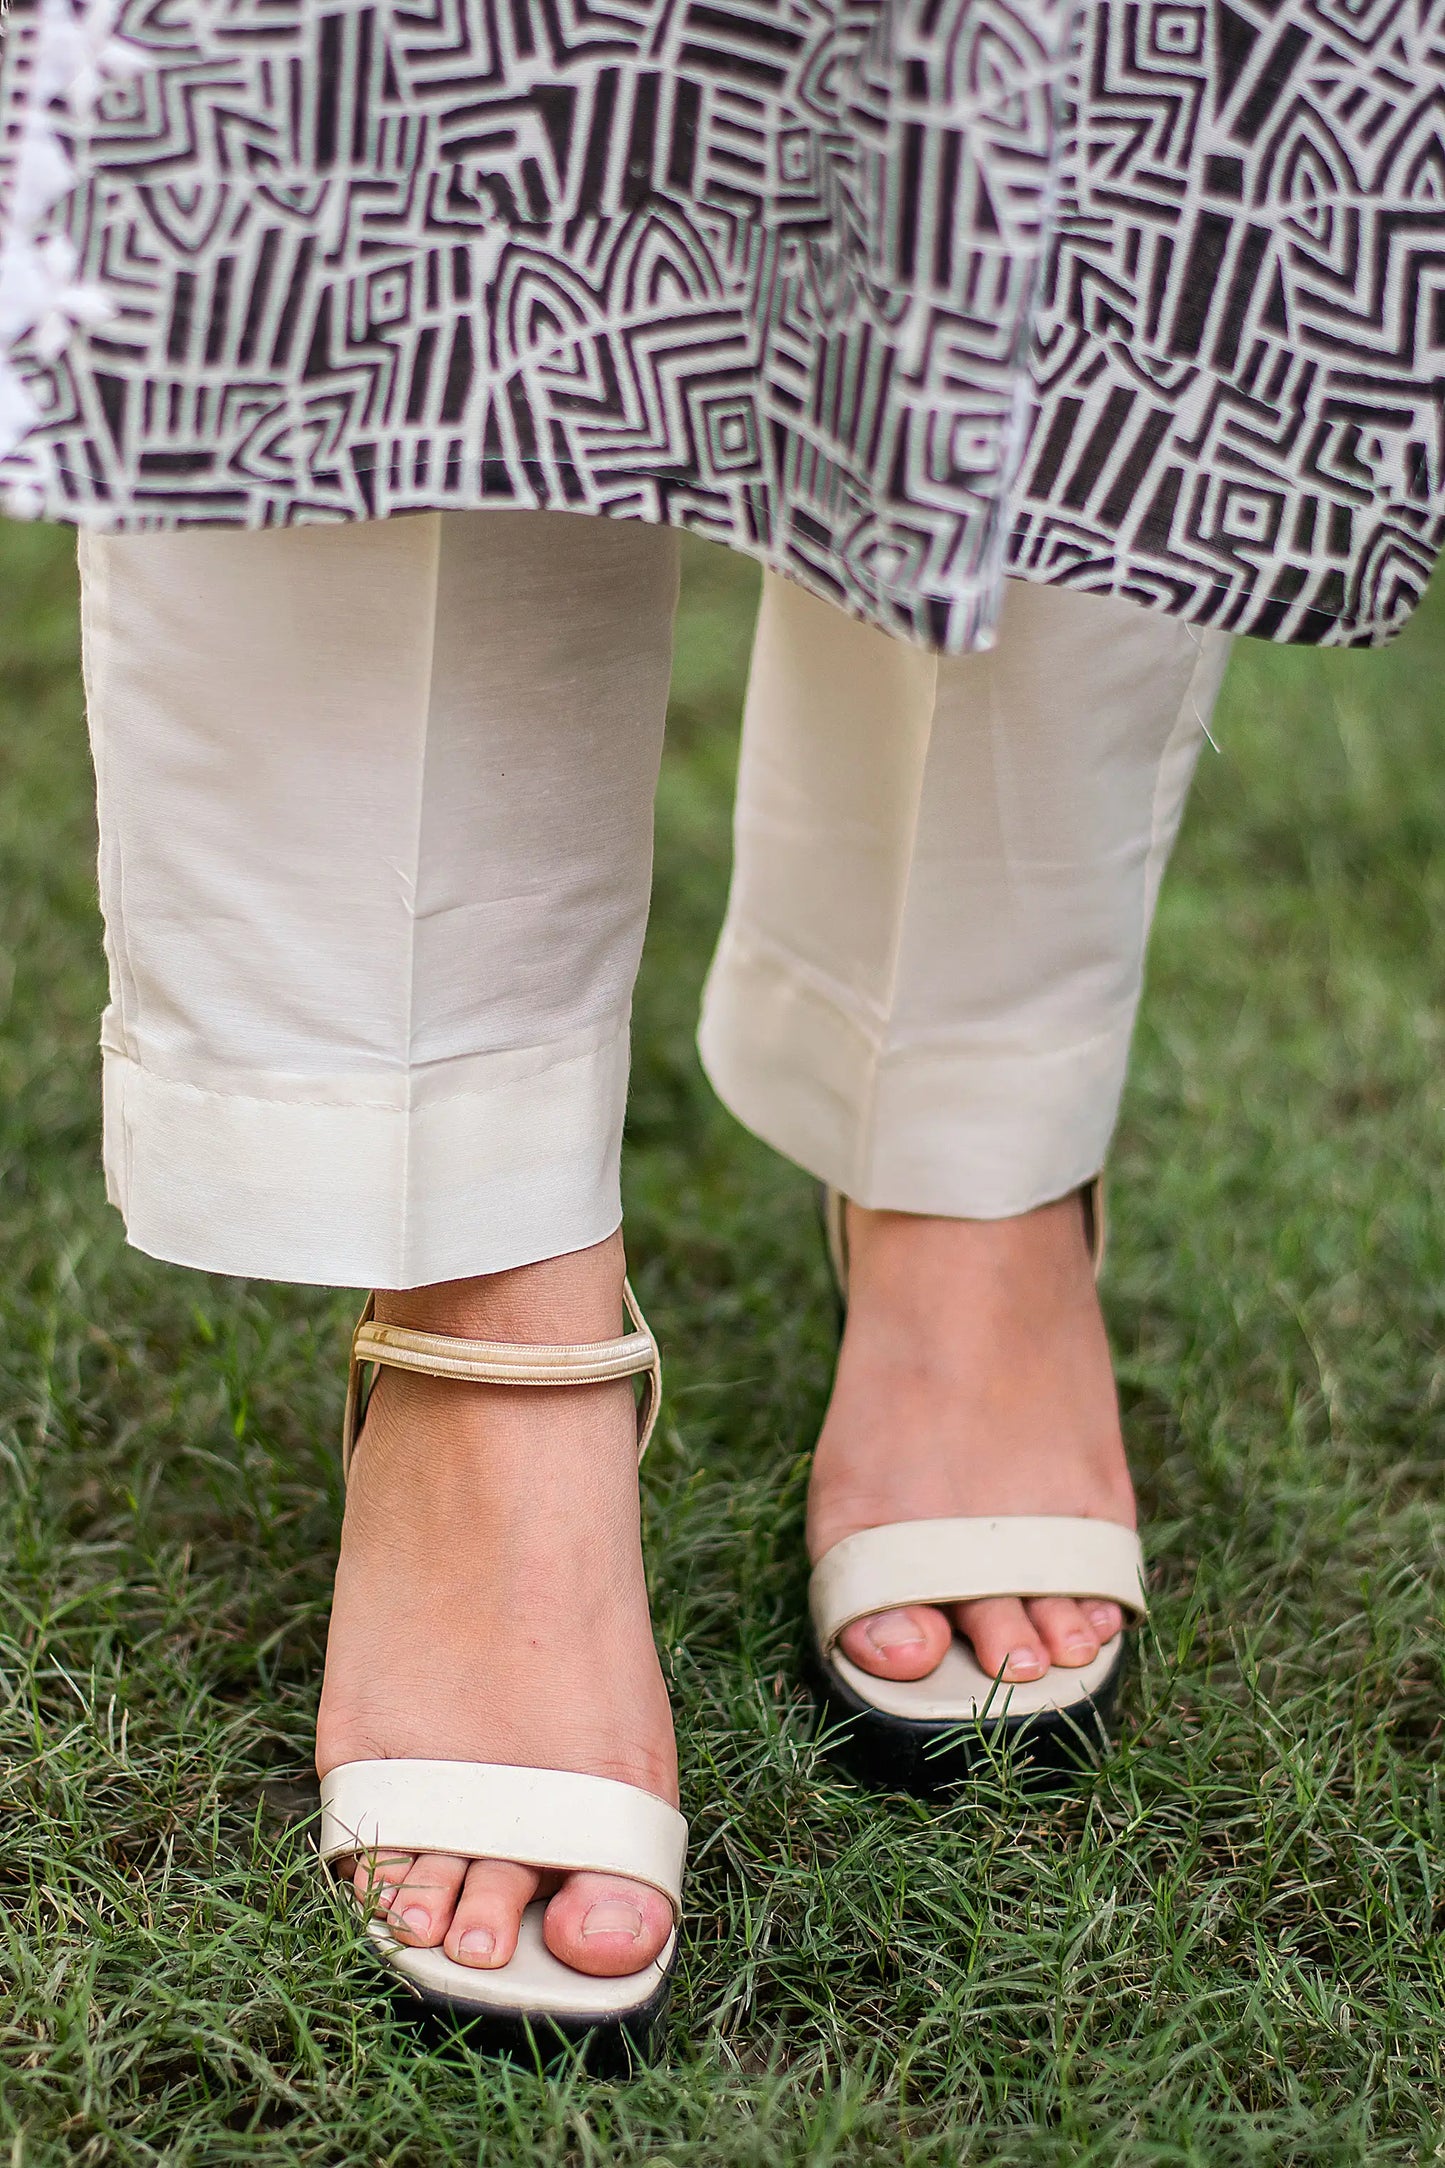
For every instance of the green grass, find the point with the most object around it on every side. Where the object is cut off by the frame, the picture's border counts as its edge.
(1224, 1950)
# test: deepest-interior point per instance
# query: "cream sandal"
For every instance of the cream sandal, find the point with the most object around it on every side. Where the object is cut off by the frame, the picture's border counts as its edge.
(549, 1818)
(921, 1734)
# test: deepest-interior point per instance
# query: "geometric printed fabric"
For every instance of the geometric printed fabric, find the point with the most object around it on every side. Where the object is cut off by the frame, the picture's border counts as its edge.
(1146, 299)
(761, 268)
(1240, 362)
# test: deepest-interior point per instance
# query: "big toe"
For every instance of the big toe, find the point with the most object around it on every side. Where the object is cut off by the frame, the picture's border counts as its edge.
(898, 1644)
(601, 1924)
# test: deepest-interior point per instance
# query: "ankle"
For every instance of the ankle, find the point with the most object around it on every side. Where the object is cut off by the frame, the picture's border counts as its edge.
(557, 1301)
(439, 1431)
(1030, 1256)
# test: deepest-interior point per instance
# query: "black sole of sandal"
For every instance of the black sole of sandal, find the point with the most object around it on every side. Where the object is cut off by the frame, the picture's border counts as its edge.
(607, 2048)
(1044, 1752)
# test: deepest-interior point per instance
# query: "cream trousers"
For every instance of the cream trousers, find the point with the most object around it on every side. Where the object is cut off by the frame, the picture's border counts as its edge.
(376, 838)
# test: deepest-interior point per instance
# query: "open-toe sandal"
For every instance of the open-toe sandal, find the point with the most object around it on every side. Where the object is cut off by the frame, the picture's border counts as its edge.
(923, 1734)
(552, 1819)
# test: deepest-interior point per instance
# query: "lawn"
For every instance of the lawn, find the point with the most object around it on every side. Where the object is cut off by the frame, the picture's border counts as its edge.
(1223, 1950)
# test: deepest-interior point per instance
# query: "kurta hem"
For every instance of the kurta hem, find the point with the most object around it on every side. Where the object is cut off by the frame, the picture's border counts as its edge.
(892, 295)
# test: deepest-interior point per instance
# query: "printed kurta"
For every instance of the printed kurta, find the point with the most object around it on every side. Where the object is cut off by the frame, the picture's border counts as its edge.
(1146, 296)
(1239, 369)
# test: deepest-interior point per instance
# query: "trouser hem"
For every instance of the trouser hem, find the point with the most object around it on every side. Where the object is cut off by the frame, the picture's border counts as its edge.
(952, 1127)
(352, 1193)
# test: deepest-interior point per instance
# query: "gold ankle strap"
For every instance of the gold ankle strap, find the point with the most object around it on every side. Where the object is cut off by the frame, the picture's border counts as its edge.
(501, 1362)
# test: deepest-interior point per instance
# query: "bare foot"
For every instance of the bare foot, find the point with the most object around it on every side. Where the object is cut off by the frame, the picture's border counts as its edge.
(490, 1606)
(974, 1378)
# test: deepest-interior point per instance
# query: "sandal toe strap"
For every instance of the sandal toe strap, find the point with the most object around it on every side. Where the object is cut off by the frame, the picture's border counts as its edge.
(962, 1561)
(550, 1818)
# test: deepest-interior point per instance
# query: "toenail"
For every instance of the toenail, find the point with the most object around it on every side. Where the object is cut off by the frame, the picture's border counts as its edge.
(1024, 1663)
(891, 1630)
(1102, 1619)
(1081, 1646)
(612, 1917)
(417, 1920)
(478, 1942)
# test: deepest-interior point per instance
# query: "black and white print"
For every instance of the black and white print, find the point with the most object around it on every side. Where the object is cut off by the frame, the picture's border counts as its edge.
(1144, 296)
(762, 268)
(1240, 365)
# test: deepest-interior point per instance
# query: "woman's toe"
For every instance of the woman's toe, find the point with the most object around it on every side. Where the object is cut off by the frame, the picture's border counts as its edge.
(1064, 1630)
(597, 1923)
(1006, 1644)
(420, 1912)
(898, 1644)
(1106, 1618)
(488, 1913)
(377, 1877)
